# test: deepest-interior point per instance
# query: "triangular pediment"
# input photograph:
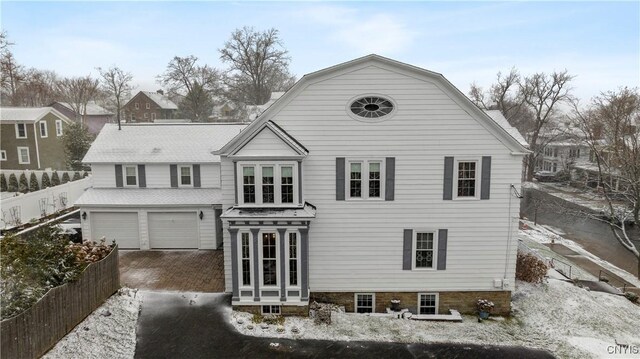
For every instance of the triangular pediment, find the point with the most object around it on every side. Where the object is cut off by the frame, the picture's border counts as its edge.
(269, 141)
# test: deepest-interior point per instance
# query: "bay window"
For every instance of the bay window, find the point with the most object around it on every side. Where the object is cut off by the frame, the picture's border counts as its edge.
(269, 259)
(268, 183)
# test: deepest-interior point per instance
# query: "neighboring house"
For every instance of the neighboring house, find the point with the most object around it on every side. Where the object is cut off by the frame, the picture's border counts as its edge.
(155, 185)
(148, 106)
(95, 118)
(562, 148)
(227, 112)
(368, 181)
(32, 138)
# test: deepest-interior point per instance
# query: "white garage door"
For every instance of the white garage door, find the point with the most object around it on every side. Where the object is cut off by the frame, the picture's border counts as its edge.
(119, 226)
(173, 230)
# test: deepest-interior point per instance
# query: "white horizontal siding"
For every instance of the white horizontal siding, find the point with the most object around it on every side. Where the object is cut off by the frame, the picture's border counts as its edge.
(157, 175)
(104, 175)
(357, 245)
(266, 142)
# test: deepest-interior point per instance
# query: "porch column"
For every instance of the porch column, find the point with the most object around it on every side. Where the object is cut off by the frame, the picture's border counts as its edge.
(256, 265)
(283, 257)
(304, 263)
(234, 263)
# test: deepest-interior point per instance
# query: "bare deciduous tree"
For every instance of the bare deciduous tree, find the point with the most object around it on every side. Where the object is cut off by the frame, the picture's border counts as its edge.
(611, 129)
(78, 92)
(38, 88)
(258, 65)
(11, 73)
(197, 84)
(116, 83)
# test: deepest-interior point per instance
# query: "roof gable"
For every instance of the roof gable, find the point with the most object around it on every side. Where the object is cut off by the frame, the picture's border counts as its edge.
(437, 79)
(161, 101)
(29, 114)
(270, 140)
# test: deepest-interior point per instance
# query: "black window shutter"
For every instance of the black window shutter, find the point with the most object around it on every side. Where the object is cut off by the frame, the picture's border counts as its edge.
(340, 184)
(447, 193)
(142, 176)
(407, 249)
(119, 176)
(196, 176)
(173, 169)
(485, 179)
(442, 249)
(390, 179)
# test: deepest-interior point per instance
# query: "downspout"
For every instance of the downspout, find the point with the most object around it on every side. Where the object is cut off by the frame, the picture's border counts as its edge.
(512, 189)
(35, 135)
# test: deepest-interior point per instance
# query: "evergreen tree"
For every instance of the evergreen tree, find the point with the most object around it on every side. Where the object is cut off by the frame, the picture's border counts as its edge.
(65, 177)
(3, 183)
(77, 140)
(76, 176)
(46, 182)
(23, 186)
(55, 179)
(33, 183)
(13, 183)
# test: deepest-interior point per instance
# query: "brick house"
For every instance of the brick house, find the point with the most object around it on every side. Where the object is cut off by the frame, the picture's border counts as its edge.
(147, 106)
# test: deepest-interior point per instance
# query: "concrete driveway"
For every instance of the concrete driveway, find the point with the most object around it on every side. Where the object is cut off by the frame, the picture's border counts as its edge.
(188, 271)
(193, 325)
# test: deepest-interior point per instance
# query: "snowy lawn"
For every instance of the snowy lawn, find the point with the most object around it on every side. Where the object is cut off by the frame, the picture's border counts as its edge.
(570, 322)
(108, 332)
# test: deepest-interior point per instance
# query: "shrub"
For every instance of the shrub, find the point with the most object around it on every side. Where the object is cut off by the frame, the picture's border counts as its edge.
(55, 179)
(46, 183)
(3, 183)
(274, 319)
(76, 176)
(33, 183)
(530, 268)
(484, 305)
(257, 318)
(23, 186)
(633, 297)
(65, 177)
(85, 174)
(13, 183)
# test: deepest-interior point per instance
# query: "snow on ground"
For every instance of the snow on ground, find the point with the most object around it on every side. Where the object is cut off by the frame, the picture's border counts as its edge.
(569, 321)
(543, 234)
(103, 336)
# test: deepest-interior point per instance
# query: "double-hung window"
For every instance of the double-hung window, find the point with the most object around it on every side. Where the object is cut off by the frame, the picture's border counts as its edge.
(365, 303)
(245, 251)
(293, 259)
(365, 179)
(43, 129)
(130, 175)
(269, 260)
(21, 130)
(185, 176)
(3, 155)
(269, 183)
(23, 156)
(58, 128)
(427, 303)
(467, 179)
(424, 249)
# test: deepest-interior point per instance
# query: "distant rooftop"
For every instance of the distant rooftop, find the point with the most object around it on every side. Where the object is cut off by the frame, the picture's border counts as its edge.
(27, 114)
(161, 100)
(161, 143)
(93, 109)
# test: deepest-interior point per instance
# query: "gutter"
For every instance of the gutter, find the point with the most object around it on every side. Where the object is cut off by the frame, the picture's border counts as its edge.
(35, 136)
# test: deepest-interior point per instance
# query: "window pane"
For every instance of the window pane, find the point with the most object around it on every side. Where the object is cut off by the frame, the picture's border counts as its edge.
(293, 259)
(268, 195)
(185, 175)
(374, 180)
(364, 303)
(287, 184)
(427, 304)
(424, 250)
(130, 172)
(269, 261)
(355, 182)
(248, 188)
(246, 260)
(466, 179)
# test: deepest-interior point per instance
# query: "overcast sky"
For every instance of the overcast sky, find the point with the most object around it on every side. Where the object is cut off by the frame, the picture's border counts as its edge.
(466, 42)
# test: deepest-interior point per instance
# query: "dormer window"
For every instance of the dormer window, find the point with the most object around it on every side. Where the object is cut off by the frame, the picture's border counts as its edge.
(267, 184)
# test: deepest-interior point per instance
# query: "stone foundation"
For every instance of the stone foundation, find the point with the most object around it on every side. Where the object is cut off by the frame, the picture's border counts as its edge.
(464, 302)
(286, 310)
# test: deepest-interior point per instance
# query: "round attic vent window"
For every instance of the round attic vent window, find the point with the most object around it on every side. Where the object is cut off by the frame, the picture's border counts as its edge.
(371, 107)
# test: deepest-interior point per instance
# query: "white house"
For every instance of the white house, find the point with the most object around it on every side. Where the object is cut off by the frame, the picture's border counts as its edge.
(368, 181)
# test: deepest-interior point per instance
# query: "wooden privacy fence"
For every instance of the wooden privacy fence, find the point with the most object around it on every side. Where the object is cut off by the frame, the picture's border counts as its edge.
(33, 332)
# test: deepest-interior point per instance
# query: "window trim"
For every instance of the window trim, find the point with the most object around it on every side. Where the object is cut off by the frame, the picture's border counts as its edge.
(20, 161)
(137, 107)
(240, 258)
(376, 119)
(3, 155)
(288, 258)
(261, 258)
(437, 302)
(271, 307)
(414, 247)
(17, 126)
(190, 176)
(58, 128)
(364, 178)
(40, 128)
(478, 178)
(355, 302)
(147, 106)
(277, 173)
(124, 176)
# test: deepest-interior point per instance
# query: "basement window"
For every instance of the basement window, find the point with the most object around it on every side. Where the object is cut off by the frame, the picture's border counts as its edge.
(365, 302)
(271, 309)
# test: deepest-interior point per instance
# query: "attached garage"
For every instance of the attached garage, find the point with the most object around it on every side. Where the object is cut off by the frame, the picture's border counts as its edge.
(119, 226)
(173, 230)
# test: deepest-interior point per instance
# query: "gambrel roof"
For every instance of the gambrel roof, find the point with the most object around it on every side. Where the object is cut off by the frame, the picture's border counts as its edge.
(498, 129)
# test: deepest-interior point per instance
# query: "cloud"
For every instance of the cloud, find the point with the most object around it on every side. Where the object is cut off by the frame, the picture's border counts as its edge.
(363, 30)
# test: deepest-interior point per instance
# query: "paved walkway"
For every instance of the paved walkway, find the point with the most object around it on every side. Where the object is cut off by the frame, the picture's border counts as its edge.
(194, 325)
(192, 271)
